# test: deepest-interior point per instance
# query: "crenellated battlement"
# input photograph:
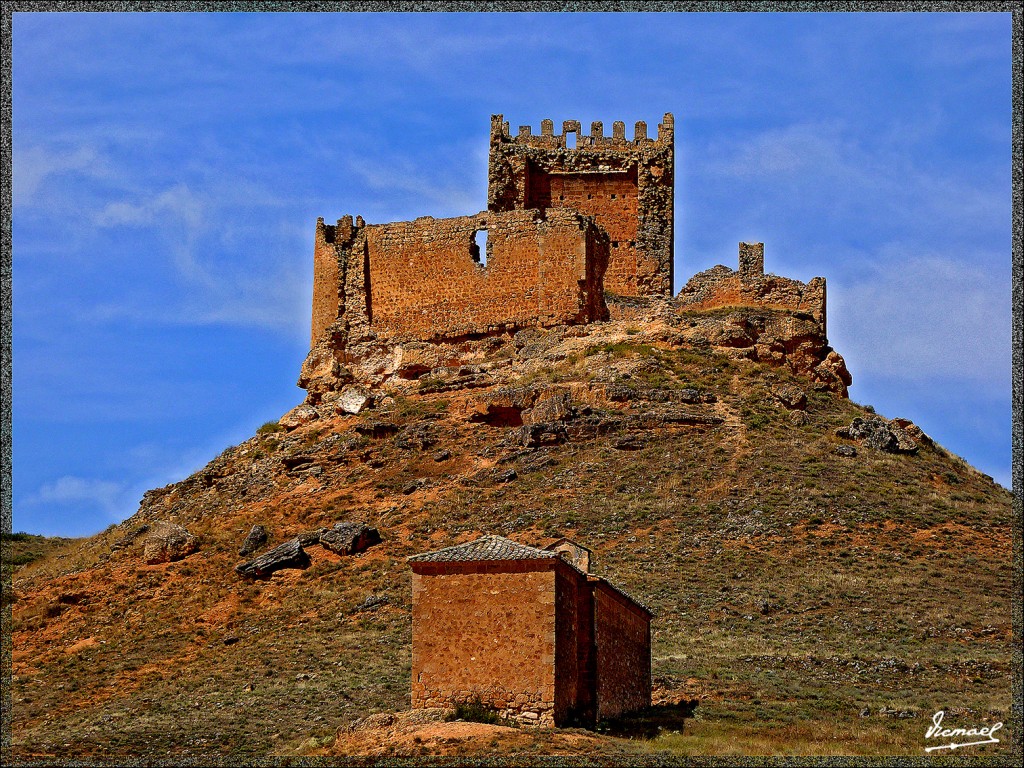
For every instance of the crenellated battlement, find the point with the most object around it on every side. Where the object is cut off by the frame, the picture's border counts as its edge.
(626, 185)
(596, 139)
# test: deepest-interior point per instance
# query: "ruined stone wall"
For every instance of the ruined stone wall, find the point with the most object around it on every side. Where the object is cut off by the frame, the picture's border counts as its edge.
(487, 630)
(622, 638)
(425, 279)
(750, 287)
(325, 280)
(627, 186)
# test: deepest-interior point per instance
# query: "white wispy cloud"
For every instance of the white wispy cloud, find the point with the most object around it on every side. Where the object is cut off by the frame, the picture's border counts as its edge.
(836, 175)
(104, 495)
(924, 317)
(33, 165)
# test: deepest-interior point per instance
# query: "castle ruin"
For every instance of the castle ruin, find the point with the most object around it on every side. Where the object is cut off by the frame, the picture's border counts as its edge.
(578, 229)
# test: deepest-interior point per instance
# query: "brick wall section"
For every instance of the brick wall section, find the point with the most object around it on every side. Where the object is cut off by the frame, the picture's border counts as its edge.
(488, 630)
(750, 287)
(627, 186)
(622, 640)
(419, 279)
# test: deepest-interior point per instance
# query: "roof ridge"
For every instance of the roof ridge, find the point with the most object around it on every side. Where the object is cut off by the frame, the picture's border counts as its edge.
(488, 547)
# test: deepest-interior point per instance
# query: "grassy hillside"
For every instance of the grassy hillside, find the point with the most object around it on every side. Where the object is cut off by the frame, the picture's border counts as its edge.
(805, 597)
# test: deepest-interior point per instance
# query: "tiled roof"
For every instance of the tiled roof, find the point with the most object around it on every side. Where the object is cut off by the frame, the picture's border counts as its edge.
(485, 548)
(621, 591)
(500, 548)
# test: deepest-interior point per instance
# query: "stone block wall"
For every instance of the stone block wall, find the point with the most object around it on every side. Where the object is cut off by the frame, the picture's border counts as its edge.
(486, 630)
(627, 186)
(750, 287)
(425, 279)
(574, 659)
(622, 641)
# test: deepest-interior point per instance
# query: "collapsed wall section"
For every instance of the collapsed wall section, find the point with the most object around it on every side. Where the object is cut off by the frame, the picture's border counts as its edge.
(627, 186)
(749, 286)
(431, 279)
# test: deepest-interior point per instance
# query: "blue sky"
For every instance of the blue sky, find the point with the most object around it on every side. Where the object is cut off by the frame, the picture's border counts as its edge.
(169, 168)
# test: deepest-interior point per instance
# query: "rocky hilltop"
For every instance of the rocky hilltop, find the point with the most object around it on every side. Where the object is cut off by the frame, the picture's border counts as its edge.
(808, 560)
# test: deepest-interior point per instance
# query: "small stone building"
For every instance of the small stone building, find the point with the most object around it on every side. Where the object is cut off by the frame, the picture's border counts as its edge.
(527, 631)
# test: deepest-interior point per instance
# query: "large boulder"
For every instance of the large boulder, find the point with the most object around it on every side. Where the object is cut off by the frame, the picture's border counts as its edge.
(349, 538)
(166, 542)
(880, 434)
(287, 555)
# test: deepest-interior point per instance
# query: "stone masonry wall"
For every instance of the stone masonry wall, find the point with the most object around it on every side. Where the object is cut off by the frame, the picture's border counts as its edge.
(623, 643)
(473, 625)
(750, 287)
(424, 280)
(574, 699)
(627, 186)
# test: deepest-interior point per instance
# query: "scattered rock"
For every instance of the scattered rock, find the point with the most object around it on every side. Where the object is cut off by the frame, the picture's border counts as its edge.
(287, 555)
(372, 602)
(791, 396)
(254, 541)
(413, 486)
(377, 429)
(797, 418)
(415, 437)
(628, 443)
(167, 542)
(898, 713)
(299, 415)
(913, 431)
(349, 538)
(846, 450)
(442, 455)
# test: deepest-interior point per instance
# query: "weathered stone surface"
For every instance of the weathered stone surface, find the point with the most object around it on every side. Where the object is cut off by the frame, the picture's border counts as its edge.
(846, 450)
(797, 418)
(256, 539)
(625, 185)
(879, 434)
(166, 542)
(352, 400)
(791, 396)
(544, 433)
(299, 415)
(349, 538)
(310, 538)
(664, 417)
(555, 408)
(377, 429)
(749, 286)
(415, 437)
(287, 555)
